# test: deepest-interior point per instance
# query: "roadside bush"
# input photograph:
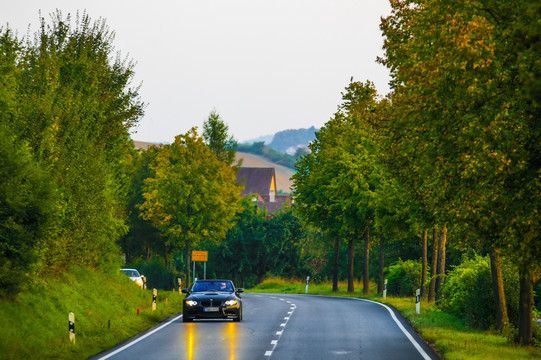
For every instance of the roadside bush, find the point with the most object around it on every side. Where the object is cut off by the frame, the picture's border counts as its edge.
(467, 292)
(157, 275)
(404, 277)
(26, 208)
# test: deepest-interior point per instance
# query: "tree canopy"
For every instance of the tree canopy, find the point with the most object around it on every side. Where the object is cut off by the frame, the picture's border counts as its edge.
(217, 138)
(191, 196)
(464, 122)
(67, 107)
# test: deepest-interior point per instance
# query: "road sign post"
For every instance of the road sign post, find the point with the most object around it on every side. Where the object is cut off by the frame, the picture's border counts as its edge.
(200, 256)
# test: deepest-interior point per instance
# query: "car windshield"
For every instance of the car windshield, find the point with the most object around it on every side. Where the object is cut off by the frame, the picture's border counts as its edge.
(131, 273)
(202, 286)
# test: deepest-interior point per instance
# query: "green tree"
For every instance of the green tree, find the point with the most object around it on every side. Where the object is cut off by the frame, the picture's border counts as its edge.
(335, 183)
(192, 196)
(26, 210)
(316, 201)
(143, 239)
(260, 245)
(287, 242)
(240, 254)
(469, 130)
(75, 109)
(217, 138)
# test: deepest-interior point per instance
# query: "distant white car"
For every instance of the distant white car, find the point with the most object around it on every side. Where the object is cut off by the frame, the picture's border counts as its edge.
(135, 276)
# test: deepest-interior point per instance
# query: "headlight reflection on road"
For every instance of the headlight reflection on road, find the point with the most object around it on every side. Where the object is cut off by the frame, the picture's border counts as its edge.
(190, 341)
(229, 338)
(230, 330)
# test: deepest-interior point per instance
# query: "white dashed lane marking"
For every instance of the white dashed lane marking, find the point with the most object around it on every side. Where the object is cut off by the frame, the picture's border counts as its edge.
(282, 325)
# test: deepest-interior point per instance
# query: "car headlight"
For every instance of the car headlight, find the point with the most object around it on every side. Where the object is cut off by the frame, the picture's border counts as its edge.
(190, 302)
(139, 282)
(231, 302)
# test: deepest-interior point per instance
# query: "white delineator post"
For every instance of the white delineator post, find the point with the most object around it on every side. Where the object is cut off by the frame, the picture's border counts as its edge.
(154, 295)
(179, 285)
(418, 301)
(385, 289)
(71, 319)
(307, 281)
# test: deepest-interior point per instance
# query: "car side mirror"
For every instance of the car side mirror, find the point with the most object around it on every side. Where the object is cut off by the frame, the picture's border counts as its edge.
(184, 291)
(240, 290)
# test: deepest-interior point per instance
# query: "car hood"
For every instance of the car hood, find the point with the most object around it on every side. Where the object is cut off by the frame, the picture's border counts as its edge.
(211, 295)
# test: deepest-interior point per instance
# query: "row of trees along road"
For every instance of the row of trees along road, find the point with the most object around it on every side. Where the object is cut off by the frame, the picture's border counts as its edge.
(66, 106)
(454, 147)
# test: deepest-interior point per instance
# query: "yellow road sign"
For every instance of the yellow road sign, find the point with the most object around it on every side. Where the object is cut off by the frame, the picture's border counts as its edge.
(200, 255)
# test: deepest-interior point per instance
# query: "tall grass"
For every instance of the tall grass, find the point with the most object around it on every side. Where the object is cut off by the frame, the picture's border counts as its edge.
(446, 333)
(35, 324)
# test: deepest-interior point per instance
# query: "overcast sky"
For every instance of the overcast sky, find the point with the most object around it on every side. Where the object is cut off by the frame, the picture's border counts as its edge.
(265, 66)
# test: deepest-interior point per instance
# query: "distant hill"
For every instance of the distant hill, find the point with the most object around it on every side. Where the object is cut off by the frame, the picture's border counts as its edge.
(292, 139)
(266, 139)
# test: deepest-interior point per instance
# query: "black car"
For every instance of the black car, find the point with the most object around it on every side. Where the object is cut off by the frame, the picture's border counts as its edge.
(212, 299)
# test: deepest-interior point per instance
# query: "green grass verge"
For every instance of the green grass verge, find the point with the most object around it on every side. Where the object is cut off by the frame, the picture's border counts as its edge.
(446, 333)
(35, 324)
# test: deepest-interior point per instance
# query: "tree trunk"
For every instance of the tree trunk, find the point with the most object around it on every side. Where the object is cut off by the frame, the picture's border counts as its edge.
(351, 257)
(525, 308)
(366, 278)
(433, 267)
(502, 320)
(441, 262)
(188, 254)
(166, 257)
(424, 261)
(127, 257)
(336, 258)
(381, 263)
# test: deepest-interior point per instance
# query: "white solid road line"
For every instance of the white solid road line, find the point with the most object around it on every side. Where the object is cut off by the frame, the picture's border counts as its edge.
(401, 327)
(139, 339)
(414, 342)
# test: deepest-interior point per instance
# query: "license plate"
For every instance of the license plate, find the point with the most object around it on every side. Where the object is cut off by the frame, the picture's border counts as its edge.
(211, 309)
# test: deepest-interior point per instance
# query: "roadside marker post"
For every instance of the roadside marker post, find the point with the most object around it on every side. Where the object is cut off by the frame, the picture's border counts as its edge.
(179, 286)
(385, 289)
(418, 301)
(154, 296)
(307, 281)
(71, 319)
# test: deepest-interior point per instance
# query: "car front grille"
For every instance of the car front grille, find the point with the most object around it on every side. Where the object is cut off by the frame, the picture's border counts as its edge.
(207, 303)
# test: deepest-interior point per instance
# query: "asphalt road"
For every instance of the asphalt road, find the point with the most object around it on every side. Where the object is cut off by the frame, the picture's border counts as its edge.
(284, 327)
